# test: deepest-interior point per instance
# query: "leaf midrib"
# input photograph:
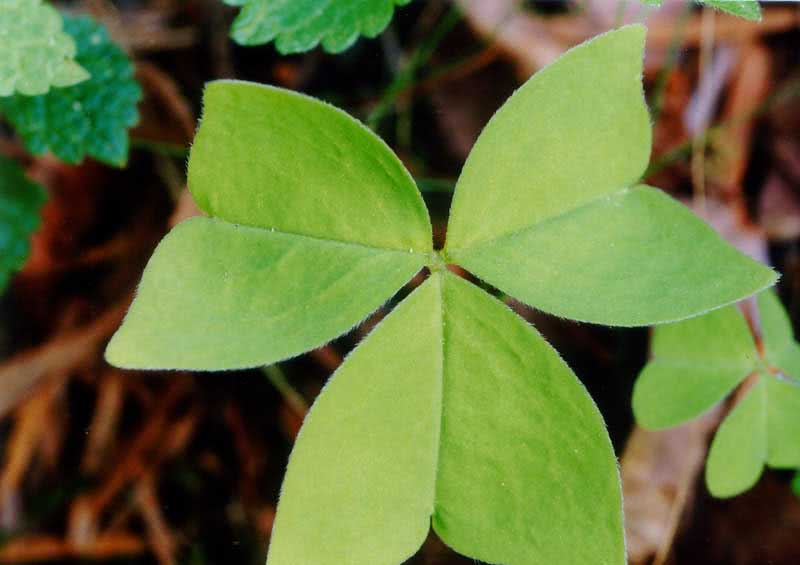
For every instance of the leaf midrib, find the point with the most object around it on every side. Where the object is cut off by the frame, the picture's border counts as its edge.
(323, 240)
(546, 221)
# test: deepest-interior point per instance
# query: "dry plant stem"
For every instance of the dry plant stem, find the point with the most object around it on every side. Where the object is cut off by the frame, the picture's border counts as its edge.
(699, 141)
(37, 549)
(160, 538)
(21, 372)
(102, 430)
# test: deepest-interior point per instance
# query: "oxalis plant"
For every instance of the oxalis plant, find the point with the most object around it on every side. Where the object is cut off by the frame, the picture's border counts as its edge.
(453, 410)
(697, 363)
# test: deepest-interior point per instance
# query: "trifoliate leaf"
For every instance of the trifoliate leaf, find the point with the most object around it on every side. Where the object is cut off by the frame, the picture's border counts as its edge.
(20, 201)
(780, 348)
(216, 295)
(695, 364)
(272, 158)
(762, 429)
(89, 119)
(543, 208)
(360, 484)
(37, 53)
(739, 448)
(300, 25)
(748, 9)
(452, 407)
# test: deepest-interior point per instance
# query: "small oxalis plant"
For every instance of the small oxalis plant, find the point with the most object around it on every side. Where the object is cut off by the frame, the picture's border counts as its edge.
(697, 363)
(453, 410)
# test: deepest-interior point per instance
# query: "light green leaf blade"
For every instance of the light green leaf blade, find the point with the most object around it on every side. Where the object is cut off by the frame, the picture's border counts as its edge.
(37, 53)
(635, 258)
(739, 448)
(268, 157)
(526, 467)
(20, 202)
(577, 131)
(748, 9)
(783, 422)
(360, 483)
(220, 296)
(695, 364)
(300, 25)
(89, 119)
(780, 348)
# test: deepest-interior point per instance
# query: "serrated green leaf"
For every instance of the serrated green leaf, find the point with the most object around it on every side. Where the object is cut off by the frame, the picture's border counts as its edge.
(780, 348)
(360, 483)
(748, 9)
(269, 157)
(37, 53)
(577, 131)
(221, 296)
(739, 448)
(543, 211)
(526, 467)
(90, 118)
(300, 25)
(783, 422)
(419, 438)
(20, 202)
(695, 364)
(635, 258)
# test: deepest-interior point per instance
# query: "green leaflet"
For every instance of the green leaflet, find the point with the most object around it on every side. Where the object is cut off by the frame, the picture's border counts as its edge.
(89, 119)
(748, 9)
(216, 295)
(739, 449)
(695, 364)
(300, 25)
(359, 487)
(576, 242)
(20, 201)
(526, 467)
(37, 54)
(422, 440)
(272, 158)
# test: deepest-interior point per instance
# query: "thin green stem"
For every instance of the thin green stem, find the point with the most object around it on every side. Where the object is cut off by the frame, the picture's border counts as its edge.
(657, 98)
(293, 399)
(407, 74)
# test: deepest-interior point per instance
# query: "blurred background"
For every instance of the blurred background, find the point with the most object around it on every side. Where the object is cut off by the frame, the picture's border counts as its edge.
(99, 465)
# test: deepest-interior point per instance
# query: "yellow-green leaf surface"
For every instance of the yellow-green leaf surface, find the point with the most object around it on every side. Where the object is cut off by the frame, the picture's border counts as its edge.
(20, 201)
(544, 210)
(577, 131)
(300, 25)
(453, 407)
(36, 52)
(739, 449)
(780, 348)
(637, 257)
(272, 158)
(695, 364)
(360, 483)
(217, 295)
(526, 471)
